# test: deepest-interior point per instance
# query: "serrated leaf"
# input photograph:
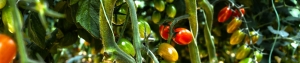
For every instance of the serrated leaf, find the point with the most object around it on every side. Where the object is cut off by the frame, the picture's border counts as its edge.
(36, 31)
(88, 16)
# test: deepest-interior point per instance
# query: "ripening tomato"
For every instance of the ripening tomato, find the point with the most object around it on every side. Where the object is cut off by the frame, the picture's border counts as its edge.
(236, 13)
(233, 25)
(182, 36)
(2, 3)
(224, 14)
(164, 31)
(167, 52)
(237, 37)
(254, 36)
(242, 52)
(8, 49)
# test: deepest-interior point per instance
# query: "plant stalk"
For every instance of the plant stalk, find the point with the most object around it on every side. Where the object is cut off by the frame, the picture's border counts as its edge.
(136, 36)
(19, 33)
(208, 15)
(108, 39)
(191, 9)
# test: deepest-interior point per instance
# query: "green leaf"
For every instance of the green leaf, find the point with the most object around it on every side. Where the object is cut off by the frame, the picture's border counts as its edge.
(36, 31)
(69, 39)
(88, 16)
(73, 2)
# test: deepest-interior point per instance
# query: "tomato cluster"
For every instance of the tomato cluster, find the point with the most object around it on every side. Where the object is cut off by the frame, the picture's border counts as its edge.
(182, 35)
(227, 11)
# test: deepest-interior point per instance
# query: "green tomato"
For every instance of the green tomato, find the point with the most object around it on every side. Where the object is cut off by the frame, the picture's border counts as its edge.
(156, 16)
(247, 60)
(258, 55)
(126, 46)
(2, 3)
(159, 5)
(171, 11)
(144, 29)
(7, 18)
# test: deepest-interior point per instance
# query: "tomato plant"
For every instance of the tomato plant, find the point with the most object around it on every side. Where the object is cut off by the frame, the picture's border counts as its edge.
(224, 14)
(182, 36)
(8, 49)
(129, 31)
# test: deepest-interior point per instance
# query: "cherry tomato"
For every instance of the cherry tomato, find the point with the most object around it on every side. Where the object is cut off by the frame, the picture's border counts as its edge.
(258, 55)
(233, 25)
(144, 29)
(171, 11)
(164, 31)
(7, 18)
(237, 37)
(167, 52)
(159, 5)
(156, 16)
(2, 3)
(247, 60)
(254, 36)
(224, 14)
(236, 13)
(126, 46)
(183, 36)
(8, 49)
(242, 52)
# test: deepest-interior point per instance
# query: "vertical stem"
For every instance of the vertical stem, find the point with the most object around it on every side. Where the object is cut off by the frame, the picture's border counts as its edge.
(136, 36)
(18, 25)
(191, 9)
(208, 10)
(108, 39)
(278, 28)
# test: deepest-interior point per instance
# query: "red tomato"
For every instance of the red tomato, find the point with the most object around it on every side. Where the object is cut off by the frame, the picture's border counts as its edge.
(224, 14)
(236, 13)
(183, 36)
(7, 49)
(164, 31)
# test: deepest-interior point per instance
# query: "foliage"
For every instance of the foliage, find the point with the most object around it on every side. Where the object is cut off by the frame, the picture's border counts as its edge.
(227, 31)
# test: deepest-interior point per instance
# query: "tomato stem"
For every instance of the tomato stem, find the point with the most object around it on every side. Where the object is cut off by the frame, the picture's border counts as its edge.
(191, 9)
(108, 39)
(136, 36)
(278, 28)
(208, 10)
(19, 33)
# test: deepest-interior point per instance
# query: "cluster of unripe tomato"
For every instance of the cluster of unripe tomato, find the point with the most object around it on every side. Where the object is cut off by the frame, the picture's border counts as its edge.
(243, 53)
